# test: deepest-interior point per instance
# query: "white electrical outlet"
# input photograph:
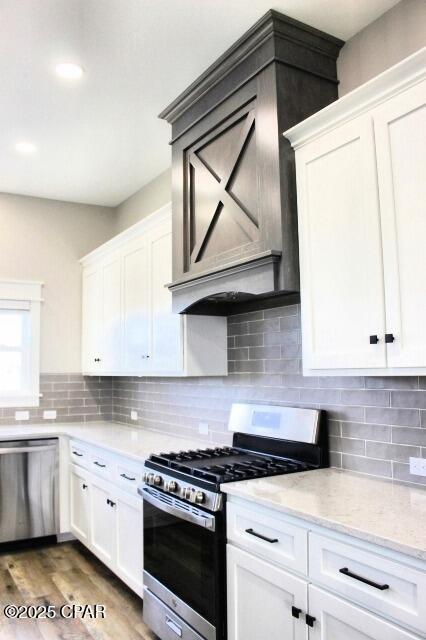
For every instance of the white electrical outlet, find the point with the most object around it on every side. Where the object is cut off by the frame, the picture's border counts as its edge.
(22, 415)
(133, 415)
(418, 466)
(49, 414)
(203, 428)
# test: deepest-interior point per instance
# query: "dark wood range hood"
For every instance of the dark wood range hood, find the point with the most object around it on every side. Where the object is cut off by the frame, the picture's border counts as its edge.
(235, 241)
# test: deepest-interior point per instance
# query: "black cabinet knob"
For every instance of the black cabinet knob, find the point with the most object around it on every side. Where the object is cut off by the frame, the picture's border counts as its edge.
(389, 337)
(295, 612)
(374, 339)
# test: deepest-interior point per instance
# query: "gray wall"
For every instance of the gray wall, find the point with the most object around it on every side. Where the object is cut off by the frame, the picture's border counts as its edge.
(151, 197)
(43, 240)
(395, 35)
(375, 424)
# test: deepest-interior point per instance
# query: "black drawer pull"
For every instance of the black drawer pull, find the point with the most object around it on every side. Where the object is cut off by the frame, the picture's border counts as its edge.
(259, 535)
(374, 339)
(346, 572)
(389, 338)
(98, 464)
(310, 620)
(295, 612)
(84, 486)
(80, 455)
(123, 475)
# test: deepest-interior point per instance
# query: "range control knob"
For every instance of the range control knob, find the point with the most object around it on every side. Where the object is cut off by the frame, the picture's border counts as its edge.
(200, 496)
(172, 486)
(158, 481)
(186, 493)
(150, 478)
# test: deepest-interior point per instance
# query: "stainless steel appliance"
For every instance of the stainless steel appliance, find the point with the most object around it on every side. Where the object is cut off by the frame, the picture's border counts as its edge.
(29, 500)
(184, 513)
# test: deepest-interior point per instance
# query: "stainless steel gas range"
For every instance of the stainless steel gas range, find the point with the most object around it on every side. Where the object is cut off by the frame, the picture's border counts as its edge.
(184, 513)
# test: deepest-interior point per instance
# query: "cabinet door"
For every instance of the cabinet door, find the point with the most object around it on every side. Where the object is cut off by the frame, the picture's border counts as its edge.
(260, 600)
(110, 326)
(336, 619)
(80, 505)
(340, 250)
(92, 320)
(130, 541)
(136, 307)
(167, 348)
(400, 130)
(103, 522)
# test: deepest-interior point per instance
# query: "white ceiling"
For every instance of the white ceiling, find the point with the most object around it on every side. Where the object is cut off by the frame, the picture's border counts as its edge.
(98, 139)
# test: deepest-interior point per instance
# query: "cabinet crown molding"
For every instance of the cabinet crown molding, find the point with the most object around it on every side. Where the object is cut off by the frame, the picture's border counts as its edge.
(257, 44)
(118, 241)
(364, 98)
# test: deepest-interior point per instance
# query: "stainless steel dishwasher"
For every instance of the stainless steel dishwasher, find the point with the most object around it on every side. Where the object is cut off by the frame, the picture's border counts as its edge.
(29, 492)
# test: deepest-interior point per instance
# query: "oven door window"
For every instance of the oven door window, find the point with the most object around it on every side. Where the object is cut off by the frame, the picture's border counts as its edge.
(183, 557)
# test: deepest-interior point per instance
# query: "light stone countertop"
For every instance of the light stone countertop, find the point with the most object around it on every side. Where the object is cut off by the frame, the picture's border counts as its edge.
(383, 512)
(134, 442)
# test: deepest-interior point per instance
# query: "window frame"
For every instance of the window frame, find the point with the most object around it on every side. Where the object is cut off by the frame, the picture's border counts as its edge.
(19, 295)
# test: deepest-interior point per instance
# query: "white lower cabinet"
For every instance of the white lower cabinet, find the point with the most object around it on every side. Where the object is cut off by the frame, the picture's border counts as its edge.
(261, 598)
(129, 541)
(103, 516)
(106, 515)
(374, 594)
(336, 619)
(79, 504)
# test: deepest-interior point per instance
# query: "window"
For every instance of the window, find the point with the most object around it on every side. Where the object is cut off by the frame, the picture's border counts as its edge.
(19, 343)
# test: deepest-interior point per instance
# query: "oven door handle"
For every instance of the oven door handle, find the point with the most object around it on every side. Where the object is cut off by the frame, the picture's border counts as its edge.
(207, 521)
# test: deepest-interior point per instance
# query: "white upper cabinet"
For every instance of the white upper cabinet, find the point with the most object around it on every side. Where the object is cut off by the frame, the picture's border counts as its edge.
(361, 188)
(136, 305)
(92, 318)
(166, 327)
(128, 324)
(340, 249)
(101, 326)
(400, 131)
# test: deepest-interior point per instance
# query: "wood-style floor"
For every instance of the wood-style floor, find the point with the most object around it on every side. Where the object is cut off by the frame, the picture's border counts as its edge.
(66, 574)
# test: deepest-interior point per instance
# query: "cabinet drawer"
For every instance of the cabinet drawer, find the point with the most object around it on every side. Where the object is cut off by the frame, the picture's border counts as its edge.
(79, 454)
(379, 583)
(128, 476)
(163, 621)
(267, 534)
(101, 465)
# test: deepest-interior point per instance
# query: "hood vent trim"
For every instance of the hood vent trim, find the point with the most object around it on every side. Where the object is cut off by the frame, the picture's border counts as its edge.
(234, 196)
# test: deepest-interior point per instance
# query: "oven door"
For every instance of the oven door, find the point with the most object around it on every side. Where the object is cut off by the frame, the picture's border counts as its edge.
(184, 551)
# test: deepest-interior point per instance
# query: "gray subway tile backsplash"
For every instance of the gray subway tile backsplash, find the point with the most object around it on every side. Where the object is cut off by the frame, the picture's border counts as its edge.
(75, 399)
(398, 417)
(375, 424)
(372, 466)
(386, 451)
(409, 399)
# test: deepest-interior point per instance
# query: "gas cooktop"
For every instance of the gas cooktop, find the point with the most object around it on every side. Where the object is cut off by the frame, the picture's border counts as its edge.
(267, 441)
(227, 464)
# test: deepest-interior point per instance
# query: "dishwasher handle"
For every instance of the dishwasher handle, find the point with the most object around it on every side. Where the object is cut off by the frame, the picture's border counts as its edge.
(6, 450)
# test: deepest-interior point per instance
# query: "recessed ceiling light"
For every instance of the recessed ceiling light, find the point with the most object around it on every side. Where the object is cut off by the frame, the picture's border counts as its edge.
(69, 70)
(25, 147)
